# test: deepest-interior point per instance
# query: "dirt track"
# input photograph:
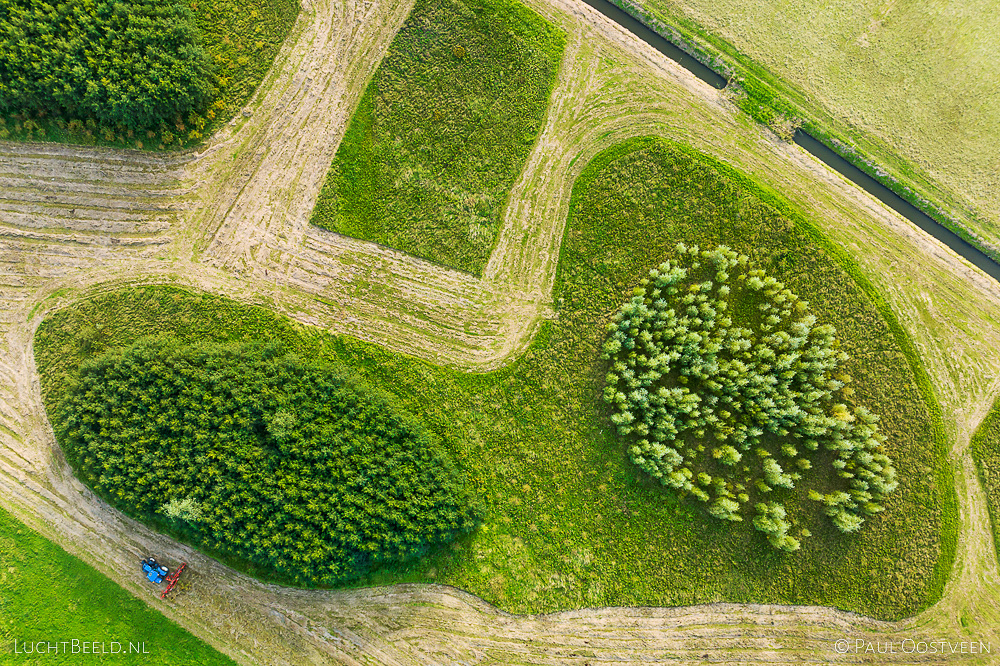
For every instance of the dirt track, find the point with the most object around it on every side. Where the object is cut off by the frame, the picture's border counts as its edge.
(233, 219)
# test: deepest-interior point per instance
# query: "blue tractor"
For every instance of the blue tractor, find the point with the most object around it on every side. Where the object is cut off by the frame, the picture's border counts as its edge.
(154, 571)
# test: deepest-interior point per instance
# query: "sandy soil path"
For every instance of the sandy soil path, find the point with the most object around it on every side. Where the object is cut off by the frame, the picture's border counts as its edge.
(232, 217)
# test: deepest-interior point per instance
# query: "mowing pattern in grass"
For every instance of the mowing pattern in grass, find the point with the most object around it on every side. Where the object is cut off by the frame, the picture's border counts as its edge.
(569, 521)
(239, 43)
(443, 130)
(49, 595)
(985, 449)
(288, 464)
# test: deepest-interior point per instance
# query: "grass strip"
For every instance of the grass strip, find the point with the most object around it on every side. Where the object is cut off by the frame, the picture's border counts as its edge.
(51, 596)
(443, 130)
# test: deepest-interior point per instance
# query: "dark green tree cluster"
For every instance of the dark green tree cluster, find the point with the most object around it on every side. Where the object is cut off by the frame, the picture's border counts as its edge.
(135, 64)
(712, 356)
(252, 452)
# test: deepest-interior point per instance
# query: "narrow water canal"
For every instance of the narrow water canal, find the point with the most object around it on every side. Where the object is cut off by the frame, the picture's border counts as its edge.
(808, 142)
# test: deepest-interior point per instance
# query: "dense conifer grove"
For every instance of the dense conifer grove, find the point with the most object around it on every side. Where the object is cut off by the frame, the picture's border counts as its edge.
(254, 453)
(715, 364)
(136, 64)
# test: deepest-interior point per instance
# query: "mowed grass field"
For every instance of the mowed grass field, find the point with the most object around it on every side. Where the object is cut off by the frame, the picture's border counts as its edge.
(985, 449)
(443, 130)
(569, 521)
(48, 595)
(241, 40)
(909, 81)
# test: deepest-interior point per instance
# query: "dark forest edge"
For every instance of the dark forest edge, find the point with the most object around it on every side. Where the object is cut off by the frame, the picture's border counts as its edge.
(140, 74)
(985, 450)
(290, 466)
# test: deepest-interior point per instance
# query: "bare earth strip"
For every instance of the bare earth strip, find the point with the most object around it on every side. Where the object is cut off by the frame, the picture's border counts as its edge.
(232, 219)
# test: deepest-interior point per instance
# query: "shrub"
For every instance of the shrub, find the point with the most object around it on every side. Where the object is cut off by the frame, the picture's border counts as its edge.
(725, 509)
(727, 455)
(186, 509)
(775, 476)
(771, 521)
(709, 348)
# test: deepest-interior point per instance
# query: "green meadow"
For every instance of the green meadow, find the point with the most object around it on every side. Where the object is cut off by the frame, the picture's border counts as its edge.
(443, 130)
(568, 519)
(48, 595)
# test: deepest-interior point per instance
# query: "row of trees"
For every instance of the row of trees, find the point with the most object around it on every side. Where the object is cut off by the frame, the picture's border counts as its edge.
(711, 352)
(282, 462)
(136, 64)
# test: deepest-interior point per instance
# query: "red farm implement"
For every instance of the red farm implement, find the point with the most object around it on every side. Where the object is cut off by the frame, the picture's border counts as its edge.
(172, 580)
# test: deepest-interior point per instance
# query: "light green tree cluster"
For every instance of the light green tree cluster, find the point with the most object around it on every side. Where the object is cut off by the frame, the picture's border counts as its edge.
(713, 355)
(187, 509)
(771, 520)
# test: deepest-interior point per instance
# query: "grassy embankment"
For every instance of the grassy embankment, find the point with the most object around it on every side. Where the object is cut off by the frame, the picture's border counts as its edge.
(911, 112)
(241, 40)
(443, 130)
(569, 520)
(46, 594)
(985, 449)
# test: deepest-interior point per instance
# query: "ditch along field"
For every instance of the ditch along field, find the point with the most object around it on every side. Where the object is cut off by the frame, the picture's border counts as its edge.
(233, 220)
(908, 83)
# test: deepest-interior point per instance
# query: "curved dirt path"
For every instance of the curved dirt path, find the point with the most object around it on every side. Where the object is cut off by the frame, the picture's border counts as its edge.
(233, 219)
